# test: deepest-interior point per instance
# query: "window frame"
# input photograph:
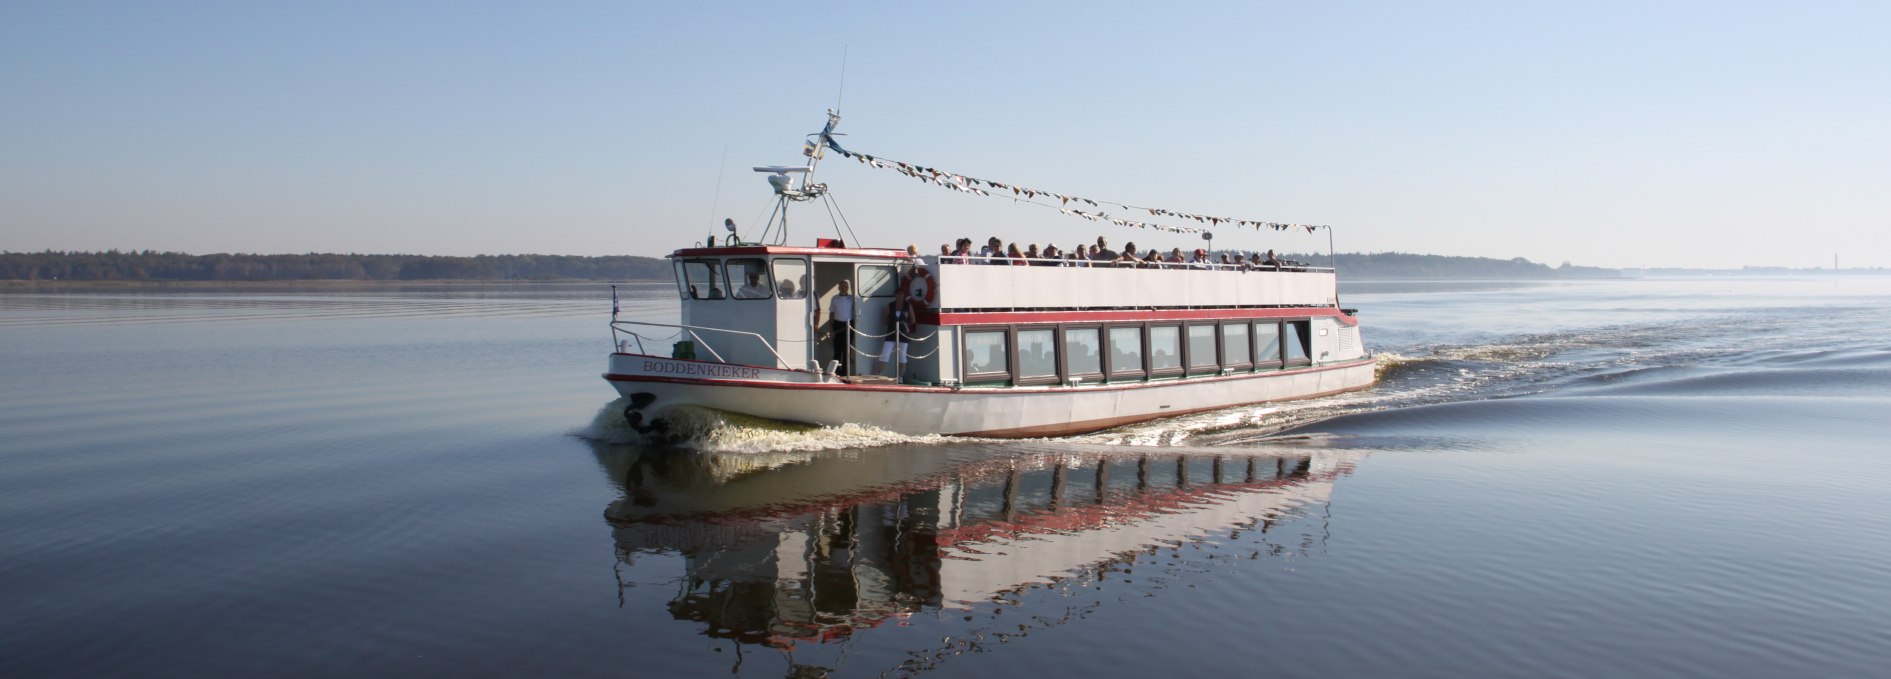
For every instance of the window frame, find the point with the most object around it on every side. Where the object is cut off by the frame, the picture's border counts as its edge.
(1247, 338)
(1149, 350)
(715, 276)
(1275, 361)
(860, 281)
(965, 355)
(802, 282)
(1134, 373)
(1017, 367)
(1102, 352)
(1189, 367)
(768, 276)
(1303, 327)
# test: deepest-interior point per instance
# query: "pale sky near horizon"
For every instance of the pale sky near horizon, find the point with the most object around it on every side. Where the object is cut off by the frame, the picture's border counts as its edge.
(1697, 134)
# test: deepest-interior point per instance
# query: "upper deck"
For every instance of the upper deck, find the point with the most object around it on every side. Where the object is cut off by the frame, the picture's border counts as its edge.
(989, 287)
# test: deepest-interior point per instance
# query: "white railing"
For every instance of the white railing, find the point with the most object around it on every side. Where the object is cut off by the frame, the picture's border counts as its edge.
(691, 330)
(975, 260)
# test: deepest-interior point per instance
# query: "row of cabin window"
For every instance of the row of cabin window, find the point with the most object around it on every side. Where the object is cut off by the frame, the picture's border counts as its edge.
(1118, 352)
(709, 279)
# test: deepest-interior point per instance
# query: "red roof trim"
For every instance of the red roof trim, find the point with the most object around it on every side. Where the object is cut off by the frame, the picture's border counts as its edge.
(871, 253)
(1130, 315)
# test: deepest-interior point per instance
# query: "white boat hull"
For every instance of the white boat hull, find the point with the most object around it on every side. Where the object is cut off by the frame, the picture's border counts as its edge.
(1006, 412)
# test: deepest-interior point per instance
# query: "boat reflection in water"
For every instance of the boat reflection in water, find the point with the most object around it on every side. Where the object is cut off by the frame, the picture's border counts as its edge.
(787, 549)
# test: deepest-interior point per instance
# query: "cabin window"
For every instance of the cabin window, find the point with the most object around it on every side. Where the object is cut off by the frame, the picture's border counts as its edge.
(703, 280)
(1037, 355)
(878, 280)
(1294, 334)
(682, 283)
(791, 278)
(1202, 357)
(987, 356)
(1267, 344)
(1083, 352)
(750, 277)
(1165, 350)
(1234, 346)
(1126, 352)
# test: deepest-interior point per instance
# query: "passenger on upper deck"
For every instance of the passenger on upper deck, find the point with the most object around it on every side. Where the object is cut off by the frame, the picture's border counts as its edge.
(994, 252)
(963, 253)
(1128, 259)
(1013, 256)
(1102, 252)
(1271, 260)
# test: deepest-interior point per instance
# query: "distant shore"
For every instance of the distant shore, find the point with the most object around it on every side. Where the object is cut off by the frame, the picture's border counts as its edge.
(114, 269)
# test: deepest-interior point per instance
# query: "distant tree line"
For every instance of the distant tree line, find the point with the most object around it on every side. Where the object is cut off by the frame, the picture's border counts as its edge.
(148, 265)
(1406, 265)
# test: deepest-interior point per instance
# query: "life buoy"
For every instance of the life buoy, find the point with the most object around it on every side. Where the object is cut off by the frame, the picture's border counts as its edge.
(927, 292)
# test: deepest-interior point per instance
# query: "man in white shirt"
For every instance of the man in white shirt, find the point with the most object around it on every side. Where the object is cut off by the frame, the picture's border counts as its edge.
(842, 314)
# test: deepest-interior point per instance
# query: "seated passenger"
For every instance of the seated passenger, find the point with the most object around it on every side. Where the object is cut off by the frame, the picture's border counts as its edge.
(1015, 257)
(787, 289)
(755, 288)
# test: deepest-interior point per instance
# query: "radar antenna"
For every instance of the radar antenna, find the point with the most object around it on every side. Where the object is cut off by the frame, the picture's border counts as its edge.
(782, 178)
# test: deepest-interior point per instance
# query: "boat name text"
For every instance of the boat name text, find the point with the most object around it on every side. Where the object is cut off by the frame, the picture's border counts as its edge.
(703, 369)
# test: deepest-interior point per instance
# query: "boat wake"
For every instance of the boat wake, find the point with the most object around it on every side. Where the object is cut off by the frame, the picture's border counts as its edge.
(718, 431)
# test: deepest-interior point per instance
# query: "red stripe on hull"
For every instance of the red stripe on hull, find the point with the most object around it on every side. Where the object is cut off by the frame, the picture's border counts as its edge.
(1131, 315)
(841, 386)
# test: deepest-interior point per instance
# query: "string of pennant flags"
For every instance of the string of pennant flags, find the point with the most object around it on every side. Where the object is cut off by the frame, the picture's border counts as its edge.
(986, 187)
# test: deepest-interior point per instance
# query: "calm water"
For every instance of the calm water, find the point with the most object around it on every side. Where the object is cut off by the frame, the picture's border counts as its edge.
(1636, 478)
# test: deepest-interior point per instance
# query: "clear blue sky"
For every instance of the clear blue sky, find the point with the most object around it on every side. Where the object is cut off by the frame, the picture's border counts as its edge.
(1712, 134)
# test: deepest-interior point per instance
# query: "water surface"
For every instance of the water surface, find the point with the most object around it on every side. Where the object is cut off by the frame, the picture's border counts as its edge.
(1680, 477)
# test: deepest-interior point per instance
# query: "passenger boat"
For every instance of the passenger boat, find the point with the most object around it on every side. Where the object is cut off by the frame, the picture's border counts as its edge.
(1061, 348)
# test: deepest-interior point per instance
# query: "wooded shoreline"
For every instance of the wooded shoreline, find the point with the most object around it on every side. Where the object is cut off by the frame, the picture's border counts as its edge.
(151, 266)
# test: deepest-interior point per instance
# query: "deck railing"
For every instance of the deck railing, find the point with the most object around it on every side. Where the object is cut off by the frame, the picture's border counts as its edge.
(691, 330)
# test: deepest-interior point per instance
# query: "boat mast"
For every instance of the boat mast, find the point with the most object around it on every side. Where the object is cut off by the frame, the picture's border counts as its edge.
(787, 190)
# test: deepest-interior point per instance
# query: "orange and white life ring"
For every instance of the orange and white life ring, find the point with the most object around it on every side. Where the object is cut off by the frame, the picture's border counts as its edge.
(926, 292)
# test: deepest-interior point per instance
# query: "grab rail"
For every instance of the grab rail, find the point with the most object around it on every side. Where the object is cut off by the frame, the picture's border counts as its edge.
(691, 329)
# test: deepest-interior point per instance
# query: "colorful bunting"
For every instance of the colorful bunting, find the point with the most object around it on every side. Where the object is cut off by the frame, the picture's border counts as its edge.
(964, 184)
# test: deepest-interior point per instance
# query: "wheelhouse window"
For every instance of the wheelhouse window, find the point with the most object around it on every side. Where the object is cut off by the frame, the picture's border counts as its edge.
(1267, 344)
(1203, 359)
(791, 278)
(682, 282)
(702, 279)
(1083, 352)
(878, 280)
(751, 278)
(987, 356)
(1126, 354)
(1037, 356)
(1295, 335)
(1234, 346)
(1165, 350)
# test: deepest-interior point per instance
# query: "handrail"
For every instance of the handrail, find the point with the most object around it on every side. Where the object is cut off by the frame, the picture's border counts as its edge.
(976, 260)
(691, 329)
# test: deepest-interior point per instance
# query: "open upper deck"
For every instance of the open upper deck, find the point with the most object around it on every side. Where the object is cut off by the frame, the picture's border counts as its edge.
(1062, 284)
(984, 286)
